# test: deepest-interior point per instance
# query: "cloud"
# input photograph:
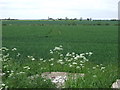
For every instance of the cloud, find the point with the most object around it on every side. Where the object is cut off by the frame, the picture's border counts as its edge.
(58, 8)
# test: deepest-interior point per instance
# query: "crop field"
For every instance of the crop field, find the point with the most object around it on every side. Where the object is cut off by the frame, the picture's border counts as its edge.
(32, 47)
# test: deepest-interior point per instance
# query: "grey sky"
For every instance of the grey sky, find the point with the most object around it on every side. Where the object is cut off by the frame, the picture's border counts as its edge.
(41, 9)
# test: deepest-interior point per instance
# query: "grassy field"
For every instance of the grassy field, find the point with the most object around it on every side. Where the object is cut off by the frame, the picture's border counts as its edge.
(37, 38)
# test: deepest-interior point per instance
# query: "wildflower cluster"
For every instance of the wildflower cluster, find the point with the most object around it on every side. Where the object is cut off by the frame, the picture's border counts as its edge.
(31, 70)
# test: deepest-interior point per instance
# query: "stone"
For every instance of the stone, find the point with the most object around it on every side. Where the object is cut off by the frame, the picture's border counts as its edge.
(59, 78)
(116, 84)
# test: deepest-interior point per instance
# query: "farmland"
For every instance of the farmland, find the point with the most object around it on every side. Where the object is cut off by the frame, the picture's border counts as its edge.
(38, 38)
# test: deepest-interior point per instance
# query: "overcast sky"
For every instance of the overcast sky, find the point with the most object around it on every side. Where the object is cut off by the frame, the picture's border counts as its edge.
(41, 9)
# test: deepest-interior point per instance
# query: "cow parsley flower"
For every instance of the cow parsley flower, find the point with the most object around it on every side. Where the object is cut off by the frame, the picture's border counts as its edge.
(14, 49)
(52, 64)
(74, 63)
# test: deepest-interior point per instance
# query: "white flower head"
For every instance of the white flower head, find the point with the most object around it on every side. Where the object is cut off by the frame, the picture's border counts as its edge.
(14, 49)
(52, 64)
(81, 64)
(94, 75)
(41, 59)
(94, 67)
(3, 84)
(26, 67)
(61, 55)
(70, 65)
(75, 58)
(4, 49)
(73, 53)
(61, 62)
(102, 68)
(60, 46)
(78, 67)
(74, 63)
(18, 54)
(52, 59)
(33, 59)
(44, 61)
(90, 53)
(51, 51)
(68, 54)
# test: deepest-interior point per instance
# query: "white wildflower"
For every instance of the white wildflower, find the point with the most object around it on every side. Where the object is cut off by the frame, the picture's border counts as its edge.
(69, 60)
(68, 54)
(75, 58)
(90, 53)
(61, 55)
(81, 64)
(12, 71)
(70, 65)
(18, 54)
(61, 62)
(52, 64)
(14, 49)
(28, 56)
(58, 48)
(51, 51)
(8, 71)
(44, 80)
(86, 60)
(102, 68)
(82, 54)
(52, 59)
(2, 74)
(44, 61)
(41, 59)
(94, 75)
(33, 59)
(4, 48)
(26, 67)
(97, 65)
(78, 67)
(74, 63)
(11, 74)
(81, 61)
(94, 67)
(20, 73)
(73, 53)
(3, 84)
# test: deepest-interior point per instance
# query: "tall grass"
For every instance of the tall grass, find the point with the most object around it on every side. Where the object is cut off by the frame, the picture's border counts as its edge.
(27, 73)
(37, 40)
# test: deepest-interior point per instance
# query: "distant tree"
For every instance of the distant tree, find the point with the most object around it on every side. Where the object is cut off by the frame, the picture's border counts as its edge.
(50, 18)
(75, 19)
(9, 18)
(113, 20)
(60, 19)
(66, 18)
(81, 19)
(88, 19)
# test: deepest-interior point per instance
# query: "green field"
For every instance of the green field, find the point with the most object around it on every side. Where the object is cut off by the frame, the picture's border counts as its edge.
(37, 38)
